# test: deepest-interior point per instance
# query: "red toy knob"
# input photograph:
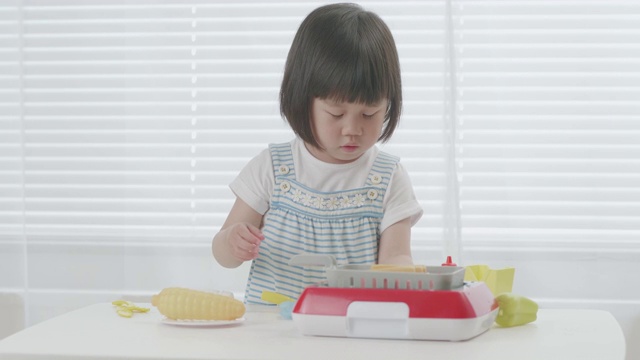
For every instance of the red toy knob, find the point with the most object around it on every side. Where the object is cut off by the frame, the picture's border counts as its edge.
(449, 262)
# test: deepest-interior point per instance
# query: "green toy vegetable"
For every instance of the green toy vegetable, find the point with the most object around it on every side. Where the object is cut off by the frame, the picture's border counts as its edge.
(515, 310)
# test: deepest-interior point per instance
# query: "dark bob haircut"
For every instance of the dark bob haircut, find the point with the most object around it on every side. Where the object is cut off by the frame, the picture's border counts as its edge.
(343, 53)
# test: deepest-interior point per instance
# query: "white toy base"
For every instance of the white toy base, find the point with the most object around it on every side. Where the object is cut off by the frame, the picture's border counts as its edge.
(390, 327)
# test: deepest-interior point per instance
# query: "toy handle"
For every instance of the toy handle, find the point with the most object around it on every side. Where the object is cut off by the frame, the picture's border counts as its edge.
(309, 260)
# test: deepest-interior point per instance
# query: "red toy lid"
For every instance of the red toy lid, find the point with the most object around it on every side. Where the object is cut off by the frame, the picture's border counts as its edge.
(470, 301)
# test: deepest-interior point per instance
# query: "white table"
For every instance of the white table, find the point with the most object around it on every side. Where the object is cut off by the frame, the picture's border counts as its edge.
(97, 332)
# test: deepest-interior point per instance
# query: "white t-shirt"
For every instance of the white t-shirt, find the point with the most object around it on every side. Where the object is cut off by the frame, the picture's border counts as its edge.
(255, 183)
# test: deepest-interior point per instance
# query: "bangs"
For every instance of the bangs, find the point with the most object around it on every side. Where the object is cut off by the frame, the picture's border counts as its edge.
(353, 80)
(352, 71)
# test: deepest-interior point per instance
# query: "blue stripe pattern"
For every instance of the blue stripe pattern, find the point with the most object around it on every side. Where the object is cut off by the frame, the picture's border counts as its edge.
(343, 224)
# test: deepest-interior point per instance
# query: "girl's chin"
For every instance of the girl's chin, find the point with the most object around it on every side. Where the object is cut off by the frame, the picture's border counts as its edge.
(344, 158)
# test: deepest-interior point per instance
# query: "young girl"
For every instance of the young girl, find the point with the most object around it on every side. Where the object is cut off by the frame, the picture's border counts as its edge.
(330, 190)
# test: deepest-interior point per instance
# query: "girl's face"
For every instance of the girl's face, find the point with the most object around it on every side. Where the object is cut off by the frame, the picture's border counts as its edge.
(345, 131)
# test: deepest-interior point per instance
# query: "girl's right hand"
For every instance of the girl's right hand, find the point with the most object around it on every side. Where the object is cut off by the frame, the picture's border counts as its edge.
(244, 241)
(239, 238)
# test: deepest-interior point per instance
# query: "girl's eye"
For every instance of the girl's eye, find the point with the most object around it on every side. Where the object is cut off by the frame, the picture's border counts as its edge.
(338, 116)
(367, 116)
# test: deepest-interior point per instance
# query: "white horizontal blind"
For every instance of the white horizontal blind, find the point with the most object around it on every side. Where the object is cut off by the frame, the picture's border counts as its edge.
(548, 123)
(127, 121)
(137, 117)
(11, 160)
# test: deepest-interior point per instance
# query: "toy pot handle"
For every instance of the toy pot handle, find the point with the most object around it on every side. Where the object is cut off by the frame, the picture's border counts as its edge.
(309, 260)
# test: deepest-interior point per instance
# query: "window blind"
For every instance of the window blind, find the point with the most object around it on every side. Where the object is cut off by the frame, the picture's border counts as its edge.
(136, 118)
(11, 160)
(126, 121)
(547, 123)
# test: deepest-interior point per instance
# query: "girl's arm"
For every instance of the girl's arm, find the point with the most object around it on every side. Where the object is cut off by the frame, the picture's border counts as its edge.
(395, 244)
(239, 238)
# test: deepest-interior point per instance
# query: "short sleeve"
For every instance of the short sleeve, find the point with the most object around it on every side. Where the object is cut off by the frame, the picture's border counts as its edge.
(400, 200)
(255, 183)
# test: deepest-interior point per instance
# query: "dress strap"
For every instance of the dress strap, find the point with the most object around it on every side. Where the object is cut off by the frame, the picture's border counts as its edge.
(282, 160)
(380, 175)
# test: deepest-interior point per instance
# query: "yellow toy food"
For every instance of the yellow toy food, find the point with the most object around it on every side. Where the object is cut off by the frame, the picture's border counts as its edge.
(498, 280)
(274, 297)
(126, 308)
(515, 310)
(399, 268)
(187, 304)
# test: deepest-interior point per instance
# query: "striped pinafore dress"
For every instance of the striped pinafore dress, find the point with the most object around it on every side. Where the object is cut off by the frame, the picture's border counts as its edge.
(344, 224)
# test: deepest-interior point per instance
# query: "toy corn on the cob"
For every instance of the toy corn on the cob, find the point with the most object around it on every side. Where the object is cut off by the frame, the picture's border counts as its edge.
(187, 304)
(399, 268)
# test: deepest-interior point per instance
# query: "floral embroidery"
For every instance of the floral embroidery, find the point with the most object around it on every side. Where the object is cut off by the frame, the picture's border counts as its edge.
(331, 203)
(307, 199)
(297, 195)
(317, 202)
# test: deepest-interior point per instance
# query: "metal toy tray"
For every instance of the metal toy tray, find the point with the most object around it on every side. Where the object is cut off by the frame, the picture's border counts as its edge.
(361, 276)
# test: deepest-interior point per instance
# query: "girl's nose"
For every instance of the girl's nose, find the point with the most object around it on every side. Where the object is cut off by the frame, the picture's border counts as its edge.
(351, 127)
